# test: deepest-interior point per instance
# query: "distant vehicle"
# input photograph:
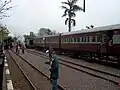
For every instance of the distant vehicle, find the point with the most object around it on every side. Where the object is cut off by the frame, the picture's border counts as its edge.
(100, 42)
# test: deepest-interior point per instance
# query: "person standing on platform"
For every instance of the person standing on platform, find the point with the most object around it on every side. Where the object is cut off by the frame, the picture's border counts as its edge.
(16, 48)
(18, 51)
(2, 55)
(23, 48)
(54, 69)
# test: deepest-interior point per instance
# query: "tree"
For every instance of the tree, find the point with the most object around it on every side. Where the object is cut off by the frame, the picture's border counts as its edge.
(3, 32)
(4, 6)
(70, 10)
(8, 40)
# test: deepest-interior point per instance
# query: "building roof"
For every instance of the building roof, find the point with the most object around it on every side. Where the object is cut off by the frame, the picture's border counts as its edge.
(97, 29)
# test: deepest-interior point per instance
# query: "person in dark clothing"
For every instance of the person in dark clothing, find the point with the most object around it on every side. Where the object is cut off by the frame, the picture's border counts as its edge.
(54, 69)
(2, 55)
(16, 48)
(22, 47)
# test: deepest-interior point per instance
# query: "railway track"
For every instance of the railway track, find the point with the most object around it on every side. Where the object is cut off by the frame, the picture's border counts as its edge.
(30, 86)
(37, 78)
(91, 71)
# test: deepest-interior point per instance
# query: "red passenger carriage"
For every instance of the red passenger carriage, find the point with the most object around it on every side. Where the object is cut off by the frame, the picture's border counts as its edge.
(46, 41)
(95, 42)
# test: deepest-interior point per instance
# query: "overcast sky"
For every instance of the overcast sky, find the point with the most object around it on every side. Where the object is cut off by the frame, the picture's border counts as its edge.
(31, 15)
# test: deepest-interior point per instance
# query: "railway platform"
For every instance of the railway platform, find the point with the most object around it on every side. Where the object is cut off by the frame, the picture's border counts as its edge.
(24, 76)
(6, 79)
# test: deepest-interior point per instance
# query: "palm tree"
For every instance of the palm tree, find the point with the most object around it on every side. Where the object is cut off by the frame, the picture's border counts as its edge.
(70, 10)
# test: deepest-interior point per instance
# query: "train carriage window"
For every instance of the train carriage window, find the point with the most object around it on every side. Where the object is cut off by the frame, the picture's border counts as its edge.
(68, 39)
(65, 39)
(78, 39)
(104, 38)
(93, 39)
(71, 39)
(98, 38)
(75, 39)
(116, 39)
(82, 39)
(87, 39)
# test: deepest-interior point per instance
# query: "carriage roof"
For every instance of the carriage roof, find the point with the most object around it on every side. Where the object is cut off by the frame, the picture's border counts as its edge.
(47, 36)
(97, 29)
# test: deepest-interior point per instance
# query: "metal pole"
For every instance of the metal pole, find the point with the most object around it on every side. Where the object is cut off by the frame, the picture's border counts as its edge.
(84, 6)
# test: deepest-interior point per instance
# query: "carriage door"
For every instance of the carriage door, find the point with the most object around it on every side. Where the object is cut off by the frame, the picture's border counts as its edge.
(103, 46)
(110, 41)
